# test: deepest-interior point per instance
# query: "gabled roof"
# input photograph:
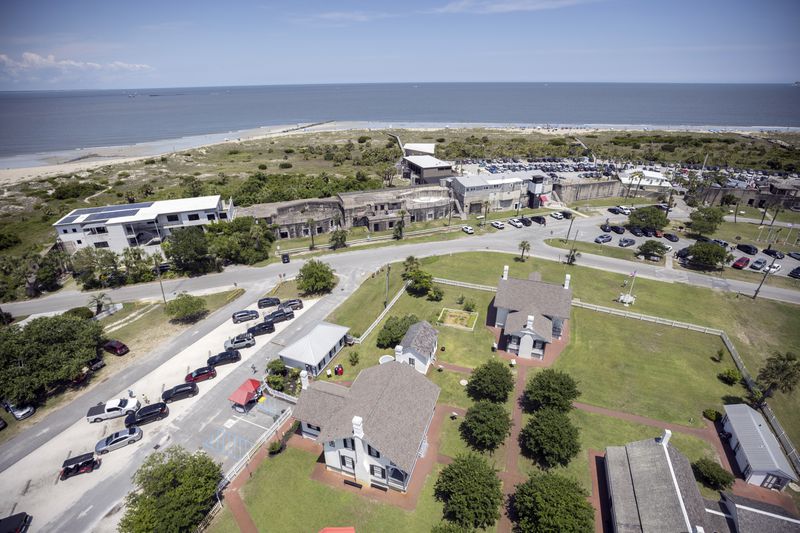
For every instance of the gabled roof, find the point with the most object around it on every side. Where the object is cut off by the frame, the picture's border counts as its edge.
(653, 488)
(517, 320)
(752, 516)
(313, 347)
(394, 400)
(533, 297)
(420, 339)
(760, 447)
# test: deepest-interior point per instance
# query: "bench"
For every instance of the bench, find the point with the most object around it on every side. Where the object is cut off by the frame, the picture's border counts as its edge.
(379, 487)
(352, 483)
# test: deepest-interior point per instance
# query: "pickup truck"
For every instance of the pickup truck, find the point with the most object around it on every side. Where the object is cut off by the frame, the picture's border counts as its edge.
(112, 409)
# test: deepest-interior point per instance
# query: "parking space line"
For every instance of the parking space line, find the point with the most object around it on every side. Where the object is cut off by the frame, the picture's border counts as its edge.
(253, 423)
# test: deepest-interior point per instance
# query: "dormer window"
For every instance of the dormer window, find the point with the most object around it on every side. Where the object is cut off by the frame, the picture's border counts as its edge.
(373, 452)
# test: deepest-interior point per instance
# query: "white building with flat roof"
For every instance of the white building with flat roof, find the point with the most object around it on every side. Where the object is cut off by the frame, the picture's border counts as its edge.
(639, 179)
(144, 224)
(503, 191)
(426, 169)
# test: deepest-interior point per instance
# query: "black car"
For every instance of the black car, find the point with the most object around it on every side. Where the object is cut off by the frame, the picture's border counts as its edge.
(148, 413)
(268, 302)
(605, 228)
(749, 249)
(262, 328)
(636, 231)
(648, 232)
(683, 253)
(16, 523)
(284, 258)
(777, 254)
(794, 255)
(617, 229)
(228, 356)
(671, 237)
(179, 392)
(539, 220)
(294, 304)
(567, 214)
(525, 221)
(795, 273)
(281, 315)
(614, 210)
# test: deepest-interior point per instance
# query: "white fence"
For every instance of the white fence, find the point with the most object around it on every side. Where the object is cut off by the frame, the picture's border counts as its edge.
(788, 447)
(464, 285)
(377, 321)
(241, 464)
(278, 394)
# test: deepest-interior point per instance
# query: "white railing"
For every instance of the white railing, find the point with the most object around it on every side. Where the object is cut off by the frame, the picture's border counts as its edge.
(465, 285)
(377, 321)
(278, 394)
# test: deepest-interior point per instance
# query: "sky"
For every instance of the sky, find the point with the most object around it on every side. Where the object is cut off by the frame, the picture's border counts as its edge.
(91, 44)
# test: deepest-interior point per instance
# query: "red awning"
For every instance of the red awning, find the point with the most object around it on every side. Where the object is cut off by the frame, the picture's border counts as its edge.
(246, 392)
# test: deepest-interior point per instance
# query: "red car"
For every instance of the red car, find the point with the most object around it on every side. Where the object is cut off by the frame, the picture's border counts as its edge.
(116, 347)
(741, 263)
(201, 374)
(659, 233)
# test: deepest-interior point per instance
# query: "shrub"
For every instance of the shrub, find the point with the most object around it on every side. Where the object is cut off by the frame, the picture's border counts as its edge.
(363, 139)
(315, 277)
(7, 240)
(150, 162)
(711, 474)
(275, 447)
(730, 376)
(491, 381)
(435, 294)
(262, 166)
(460, 299)
(276, 382)
(469, 305)
(75, 190)
(712, 414)
(276, 367)
(288, 151)
(80, 312)
(233, 152)
(441, 140)
(186, 308)
(285, 164)
(393, 330)
(353, 358)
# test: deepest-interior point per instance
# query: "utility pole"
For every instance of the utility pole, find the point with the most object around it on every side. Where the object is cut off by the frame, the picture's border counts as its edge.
(777, 210)
(571, 220)
(766, 273)
(158, 273)
(571, 258)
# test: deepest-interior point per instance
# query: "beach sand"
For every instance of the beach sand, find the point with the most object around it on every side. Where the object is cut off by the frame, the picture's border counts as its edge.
(34, 166)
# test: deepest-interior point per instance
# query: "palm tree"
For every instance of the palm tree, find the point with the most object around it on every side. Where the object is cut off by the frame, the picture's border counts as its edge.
(485, 211)
(781, 372)
(98, 301)
(524, 247)
(311, 223)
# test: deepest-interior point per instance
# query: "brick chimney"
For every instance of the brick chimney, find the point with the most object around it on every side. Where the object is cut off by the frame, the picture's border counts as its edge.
(505, 272)
(566, 281)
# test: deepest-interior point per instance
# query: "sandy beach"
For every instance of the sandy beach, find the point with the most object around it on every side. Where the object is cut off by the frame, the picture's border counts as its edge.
(25, 167)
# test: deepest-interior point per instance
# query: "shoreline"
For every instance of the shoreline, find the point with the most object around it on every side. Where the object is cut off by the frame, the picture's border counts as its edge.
(14, 169)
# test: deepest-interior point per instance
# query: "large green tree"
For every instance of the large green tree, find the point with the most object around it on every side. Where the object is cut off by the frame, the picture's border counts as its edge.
(243, 240)
(781, 372)
(486, 425)
(338, 239)
(470, 491)
(491, 381)
(174, 490)
(45, 353)
(550, 388)
(393, 330)
(550, 438)
(648, 217)
(552, 502)
(188, 250)
(706, 220)
(708, 255)
(316, 277)
(419, 282)
(651, 247)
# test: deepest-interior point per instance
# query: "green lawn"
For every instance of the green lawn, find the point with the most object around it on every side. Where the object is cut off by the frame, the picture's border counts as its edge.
(364, 305)
(647, 369)
(452, 392)
(757, 327)
(451, 444)
(282, 497)
(611, 249)
(751, 234)
(751, 212)
(597, 432)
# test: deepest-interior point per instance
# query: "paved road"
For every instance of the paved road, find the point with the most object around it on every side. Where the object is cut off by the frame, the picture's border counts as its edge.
(212, 411)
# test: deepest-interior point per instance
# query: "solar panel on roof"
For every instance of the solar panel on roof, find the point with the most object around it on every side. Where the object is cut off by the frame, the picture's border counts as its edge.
(108, 215)
(68, 219)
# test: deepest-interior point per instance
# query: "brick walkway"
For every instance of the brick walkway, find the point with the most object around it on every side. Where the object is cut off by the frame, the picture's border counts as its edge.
(511, 476)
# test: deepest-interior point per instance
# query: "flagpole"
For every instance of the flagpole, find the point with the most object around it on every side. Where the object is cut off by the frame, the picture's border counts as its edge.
(630, 289)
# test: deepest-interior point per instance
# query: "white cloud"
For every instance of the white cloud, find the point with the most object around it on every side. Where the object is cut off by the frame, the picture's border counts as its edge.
(31, 63)
(505, 6)
(350, 16)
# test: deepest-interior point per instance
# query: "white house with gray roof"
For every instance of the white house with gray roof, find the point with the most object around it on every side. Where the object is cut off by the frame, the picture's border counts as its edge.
(313, 352)
(145, 224)
(531, 313)
(418, 346)
(374, 431)
(758, 452)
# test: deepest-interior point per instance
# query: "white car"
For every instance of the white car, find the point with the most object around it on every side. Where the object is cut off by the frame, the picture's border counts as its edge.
(668, 248)
(557, 215)
(624, 210)
(468, 230)
(498, 225)
(514, 222)
(773, 269)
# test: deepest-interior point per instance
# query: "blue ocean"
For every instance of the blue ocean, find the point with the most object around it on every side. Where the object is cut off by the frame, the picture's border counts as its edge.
(48, 121)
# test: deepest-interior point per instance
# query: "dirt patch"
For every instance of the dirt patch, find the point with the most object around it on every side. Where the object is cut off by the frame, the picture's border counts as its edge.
(458, 319)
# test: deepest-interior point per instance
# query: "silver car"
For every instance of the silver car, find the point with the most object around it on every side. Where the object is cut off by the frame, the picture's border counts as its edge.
(118, 440)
